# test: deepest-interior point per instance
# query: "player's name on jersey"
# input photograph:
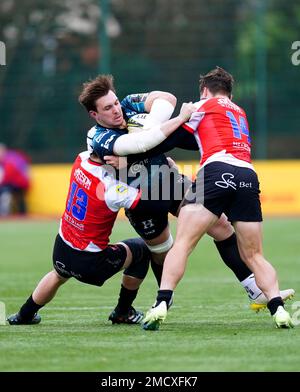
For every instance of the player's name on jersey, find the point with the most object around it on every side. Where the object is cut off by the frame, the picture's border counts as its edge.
(82, 179)
(225, 102)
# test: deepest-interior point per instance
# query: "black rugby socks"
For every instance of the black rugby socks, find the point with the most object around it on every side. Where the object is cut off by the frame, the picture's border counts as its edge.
(29, 309)
(157, 271)
(126, 298)
(274, 303)
(164, 295)
(229, 252)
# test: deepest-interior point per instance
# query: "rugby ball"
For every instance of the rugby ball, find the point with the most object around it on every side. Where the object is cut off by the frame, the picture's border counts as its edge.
(136, 123)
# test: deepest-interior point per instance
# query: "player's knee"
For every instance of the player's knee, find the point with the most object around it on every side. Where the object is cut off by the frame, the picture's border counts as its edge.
(184, 247)
(164, 247)
(60, 279)
(141, 256)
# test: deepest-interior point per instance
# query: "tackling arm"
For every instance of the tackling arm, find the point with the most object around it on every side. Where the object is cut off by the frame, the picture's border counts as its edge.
(160, 105)
(136, 143)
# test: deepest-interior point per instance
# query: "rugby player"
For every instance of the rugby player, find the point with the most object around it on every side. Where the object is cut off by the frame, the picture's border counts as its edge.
(226, 183)
(82, 249)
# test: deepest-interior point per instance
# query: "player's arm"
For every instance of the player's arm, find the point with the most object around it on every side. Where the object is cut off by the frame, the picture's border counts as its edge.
(159, 104)
(120, 195)
(135, 143)
(178, 139)
(183, 137)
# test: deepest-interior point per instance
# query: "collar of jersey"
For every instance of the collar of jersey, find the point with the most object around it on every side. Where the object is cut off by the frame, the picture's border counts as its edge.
(100, 128)
(94, 163)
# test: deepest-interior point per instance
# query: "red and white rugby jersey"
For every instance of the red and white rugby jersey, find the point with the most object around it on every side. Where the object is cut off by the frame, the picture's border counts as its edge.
(93, 202)
(221, 130)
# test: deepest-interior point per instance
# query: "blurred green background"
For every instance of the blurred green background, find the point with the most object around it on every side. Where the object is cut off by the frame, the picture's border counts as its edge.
(54, 46)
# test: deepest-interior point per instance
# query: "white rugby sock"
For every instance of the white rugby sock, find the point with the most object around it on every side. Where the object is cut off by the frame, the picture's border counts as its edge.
(250, 286)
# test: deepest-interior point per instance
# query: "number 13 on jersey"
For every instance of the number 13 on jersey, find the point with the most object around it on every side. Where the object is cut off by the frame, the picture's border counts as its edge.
(78, 200)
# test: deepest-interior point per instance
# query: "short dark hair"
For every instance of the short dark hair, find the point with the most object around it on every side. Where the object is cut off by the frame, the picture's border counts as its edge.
(217, 81)
(94, 89)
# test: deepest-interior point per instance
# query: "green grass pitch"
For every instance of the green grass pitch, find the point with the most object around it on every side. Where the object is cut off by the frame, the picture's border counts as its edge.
(209, 328)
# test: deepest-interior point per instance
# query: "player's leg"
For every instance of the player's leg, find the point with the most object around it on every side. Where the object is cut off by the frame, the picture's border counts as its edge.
(225, 240)
(135, 269)
(245, 213)
(193, 221)
(249, 236)
(47, 288)
(175, 188)
(250, 245)
(159, 247)
(150, 221)
(96, 268)
(44, 292)
(198, 219)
